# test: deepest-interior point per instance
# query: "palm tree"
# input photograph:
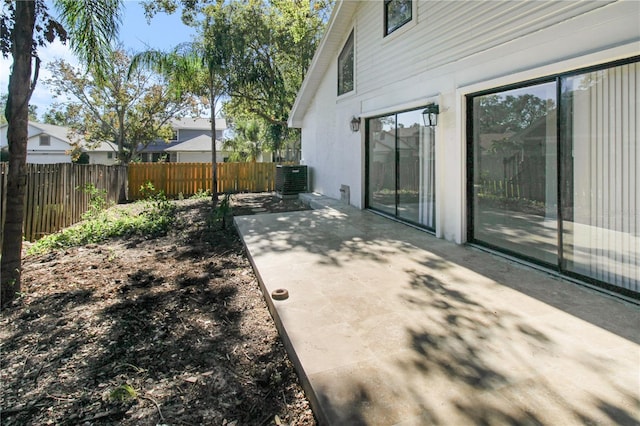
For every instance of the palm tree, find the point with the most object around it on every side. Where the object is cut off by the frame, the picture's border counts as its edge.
(185, 68)
(246, 143)
(91, 26)
(199, 68)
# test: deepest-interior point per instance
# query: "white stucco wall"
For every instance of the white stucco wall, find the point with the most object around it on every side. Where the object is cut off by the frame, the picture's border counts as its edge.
(450, 52)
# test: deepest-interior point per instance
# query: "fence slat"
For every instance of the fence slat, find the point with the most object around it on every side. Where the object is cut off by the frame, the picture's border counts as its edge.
(189, 178)
(54, 196)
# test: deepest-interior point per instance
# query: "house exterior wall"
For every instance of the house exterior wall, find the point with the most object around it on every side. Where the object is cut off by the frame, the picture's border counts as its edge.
(452, 49)
(51, 154)
(55, 152)
(199, 157)
(99, 157)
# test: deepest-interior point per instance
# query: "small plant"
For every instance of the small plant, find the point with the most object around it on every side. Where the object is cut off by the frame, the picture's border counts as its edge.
(148, 190)
(123, 393)
(223, 210)
(97, 201)
(113, 255)
(201, 194)
(156, 218)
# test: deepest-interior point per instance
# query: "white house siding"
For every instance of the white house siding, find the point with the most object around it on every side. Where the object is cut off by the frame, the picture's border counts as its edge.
(455, 49)
(99, 157)
(336, 146)
(47, 158)
(49, 154)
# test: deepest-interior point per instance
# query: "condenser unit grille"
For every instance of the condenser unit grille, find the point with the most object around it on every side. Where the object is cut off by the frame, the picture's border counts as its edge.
(291, 180)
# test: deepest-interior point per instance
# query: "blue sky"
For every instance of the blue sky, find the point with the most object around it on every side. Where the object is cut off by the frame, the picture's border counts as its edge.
(163, 32)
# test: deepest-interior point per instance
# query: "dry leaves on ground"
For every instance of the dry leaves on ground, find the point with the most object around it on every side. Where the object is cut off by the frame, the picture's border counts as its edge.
(172, 330)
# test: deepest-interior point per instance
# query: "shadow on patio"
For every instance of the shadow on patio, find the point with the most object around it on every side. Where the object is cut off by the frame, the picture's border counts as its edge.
(389, 325)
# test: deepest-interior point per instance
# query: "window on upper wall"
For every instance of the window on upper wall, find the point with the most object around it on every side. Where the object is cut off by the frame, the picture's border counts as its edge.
(45, 140)
(396, 14)
(345, 67)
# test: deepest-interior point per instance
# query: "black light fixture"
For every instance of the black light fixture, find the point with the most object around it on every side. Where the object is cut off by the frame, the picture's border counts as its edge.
(430, 115)
(355, 124)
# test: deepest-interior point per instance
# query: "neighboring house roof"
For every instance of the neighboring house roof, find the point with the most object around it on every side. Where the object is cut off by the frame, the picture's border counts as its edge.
(198, 123)
(198, 144)
(101, 147)
(62, 133)
(158, 146)
(335, 34)
(59, 132)
(188, 123)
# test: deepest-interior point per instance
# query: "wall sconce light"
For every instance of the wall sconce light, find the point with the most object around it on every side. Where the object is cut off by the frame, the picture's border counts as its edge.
(430, 115)
(355, 124)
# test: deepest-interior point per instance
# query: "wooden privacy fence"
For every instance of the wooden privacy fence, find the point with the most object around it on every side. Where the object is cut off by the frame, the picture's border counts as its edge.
(55, 196)
(189, 178)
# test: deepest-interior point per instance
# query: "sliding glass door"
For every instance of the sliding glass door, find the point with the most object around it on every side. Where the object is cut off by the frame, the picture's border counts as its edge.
(554, 173)
(601, 183)
(382, 164)
(515, 200)
(401, 167)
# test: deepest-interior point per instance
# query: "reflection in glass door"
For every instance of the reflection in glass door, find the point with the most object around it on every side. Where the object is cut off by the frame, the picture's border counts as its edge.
(382, 164)
(514, 171)
(401, 167)
(555, 176)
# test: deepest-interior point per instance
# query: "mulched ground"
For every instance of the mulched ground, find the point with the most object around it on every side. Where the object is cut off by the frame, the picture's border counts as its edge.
(172, 330)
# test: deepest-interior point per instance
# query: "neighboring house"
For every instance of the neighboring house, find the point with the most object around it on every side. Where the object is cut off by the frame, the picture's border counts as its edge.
(197, 150)
(184, 130)
(103, 153)
(50, 144)
(501, 169)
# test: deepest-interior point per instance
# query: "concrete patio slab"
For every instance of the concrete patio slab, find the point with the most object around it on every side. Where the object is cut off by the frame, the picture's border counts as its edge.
(389, 325)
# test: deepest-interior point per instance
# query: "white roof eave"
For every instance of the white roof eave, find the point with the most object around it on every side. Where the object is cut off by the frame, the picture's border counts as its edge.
(339, 24)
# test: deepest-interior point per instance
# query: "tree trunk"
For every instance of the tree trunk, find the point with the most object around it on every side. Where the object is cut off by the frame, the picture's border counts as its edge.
(17, 113)
(214, 159)
(123, 157)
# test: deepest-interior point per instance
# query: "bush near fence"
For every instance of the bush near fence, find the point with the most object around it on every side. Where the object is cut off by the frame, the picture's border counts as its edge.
(186, 179)
(55, 196)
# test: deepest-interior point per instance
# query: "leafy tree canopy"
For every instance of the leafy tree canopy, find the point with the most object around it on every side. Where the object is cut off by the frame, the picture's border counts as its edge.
(267, 46)
(500, 114)
(128, 109)
(247, 141)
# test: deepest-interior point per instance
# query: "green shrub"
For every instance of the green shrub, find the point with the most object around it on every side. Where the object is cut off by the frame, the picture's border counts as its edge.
(155, 219)
(97, 201)
(201, 194)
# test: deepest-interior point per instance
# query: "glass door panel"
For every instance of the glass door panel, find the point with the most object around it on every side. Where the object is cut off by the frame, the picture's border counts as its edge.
(601, 175)
(416, 174)
(515, 171)
(382, 164)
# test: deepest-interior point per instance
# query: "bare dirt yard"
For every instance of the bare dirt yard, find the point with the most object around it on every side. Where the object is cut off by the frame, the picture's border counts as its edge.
(171, 330)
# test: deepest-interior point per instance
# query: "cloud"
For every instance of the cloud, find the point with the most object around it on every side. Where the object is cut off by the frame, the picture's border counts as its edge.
(42, 97)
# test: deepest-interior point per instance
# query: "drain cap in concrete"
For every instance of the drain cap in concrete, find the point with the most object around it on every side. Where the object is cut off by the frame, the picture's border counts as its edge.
(280, 294)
